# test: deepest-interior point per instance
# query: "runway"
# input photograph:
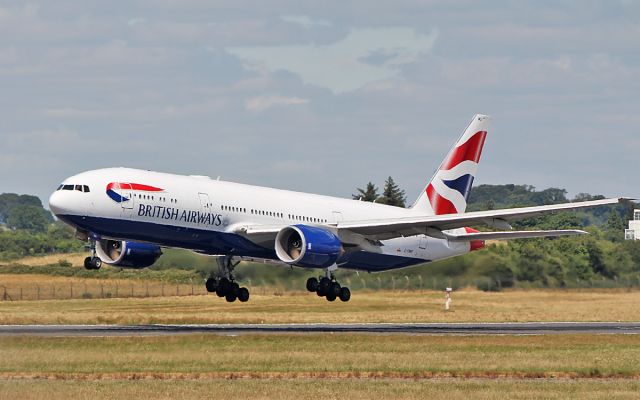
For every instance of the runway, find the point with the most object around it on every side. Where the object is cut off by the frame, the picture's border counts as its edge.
(529, 328)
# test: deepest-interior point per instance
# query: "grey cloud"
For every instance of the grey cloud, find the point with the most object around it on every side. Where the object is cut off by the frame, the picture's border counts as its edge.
(154, 79)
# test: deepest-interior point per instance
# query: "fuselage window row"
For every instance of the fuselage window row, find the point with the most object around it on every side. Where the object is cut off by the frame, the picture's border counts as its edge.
(274, 214)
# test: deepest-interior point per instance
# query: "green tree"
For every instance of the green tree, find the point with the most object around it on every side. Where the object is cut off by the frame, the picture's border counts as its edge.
(30, 218)
(596, 259)
(9, 201)
(392, 194)
(370, 193)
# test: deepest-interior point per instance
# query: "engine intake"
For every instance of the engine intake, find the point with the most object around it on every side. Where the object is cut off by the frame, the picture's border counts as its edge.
(308, 246)
(127, 254)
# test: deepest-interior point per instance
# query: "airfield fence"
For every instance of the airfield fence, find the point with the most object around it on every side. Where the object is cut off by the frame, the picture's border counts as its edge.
(75, 288)
(97, 290)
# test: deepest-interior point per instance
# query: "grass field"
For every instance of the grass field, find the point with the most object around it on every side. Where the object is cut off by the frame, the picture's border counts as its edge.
(321, 366)
(353, 389)
(365, 306)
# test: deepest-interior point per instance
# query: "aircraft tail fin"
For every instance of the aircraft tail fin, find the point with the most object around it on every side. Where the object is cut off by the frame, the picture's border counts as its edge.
(448, 190)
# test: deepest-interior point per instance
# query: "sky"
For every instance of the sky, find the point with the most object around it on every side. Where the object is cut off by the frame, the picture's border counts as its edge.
(321, 97)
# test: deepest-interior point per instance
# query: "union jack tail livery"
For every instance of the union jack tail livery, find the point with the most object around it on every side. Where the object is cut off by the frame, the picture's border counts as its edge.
(448, 190)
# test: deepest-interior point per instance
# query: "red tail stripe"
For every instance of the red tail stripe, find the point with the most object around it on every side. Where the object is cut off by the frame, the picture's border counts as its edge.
(471, 150)
(439, 204)
(474, 244)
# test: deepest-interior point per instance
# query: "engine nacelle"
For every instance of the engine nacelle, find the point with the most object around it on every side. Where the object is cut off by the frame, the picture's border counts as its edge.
(308, 246)
(127, 254)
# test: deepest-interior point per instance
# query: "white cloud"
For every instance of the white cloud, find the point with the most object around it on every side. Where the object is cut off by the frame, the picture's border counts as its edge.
(261, 103)
(343, 66)
(305, 21)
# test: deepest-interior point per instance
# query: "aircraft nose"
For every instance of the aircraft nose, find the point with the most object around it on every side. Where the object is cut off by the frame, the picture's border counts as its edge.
(56, 203)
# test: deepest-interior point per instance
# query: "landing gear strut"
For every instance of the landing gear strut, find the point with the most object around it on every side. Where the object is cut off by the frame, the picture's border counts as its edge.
(327, 286)
(225, 285)
(93, 262)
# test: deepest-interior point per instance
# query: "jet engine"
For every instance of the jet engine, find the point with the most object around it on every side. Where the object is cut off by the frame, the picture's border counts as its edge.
(127, 254)
(308, 246)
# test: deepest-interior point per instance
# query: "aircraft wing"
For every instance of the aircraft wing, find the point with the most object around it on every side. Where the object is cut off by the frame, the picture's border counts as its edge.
(434, 225)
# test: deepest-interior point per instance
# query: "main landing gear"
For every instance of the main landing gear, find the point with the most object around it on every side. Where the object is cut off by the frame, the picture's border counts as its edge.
(225, 285)
(328, 287)
(93, 262)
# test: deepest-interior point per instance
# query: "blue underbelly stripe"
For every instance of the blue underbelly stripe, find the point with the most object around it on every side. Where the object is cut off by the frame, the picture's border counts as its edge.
(212, 242)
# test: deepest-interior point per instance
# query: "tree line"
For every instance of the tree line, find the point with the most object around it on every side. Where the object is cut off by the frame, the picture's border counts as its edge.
(602, 256)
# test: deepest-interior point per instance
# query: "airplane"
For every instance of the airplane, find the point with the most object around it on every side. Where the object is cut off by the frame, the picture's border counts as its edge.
(128, 216)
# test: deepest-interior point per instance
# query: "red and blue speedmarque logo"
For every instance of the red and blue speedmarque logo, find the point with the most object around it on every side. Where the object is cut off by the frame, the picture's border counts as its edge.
(114, 188)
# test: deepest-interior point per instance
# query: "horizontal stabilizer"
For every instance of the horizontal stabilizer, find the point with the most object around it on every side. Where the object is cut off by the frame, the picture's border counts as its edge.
(511, 235)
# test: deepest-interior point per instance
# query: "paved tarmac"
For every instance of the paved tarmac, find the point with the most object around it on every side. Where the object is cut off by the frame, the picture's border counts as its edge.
(532, 328)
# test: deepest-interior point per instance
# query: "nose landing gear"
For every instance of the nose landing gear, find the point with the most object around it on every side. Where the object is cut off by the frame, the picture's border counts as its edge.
(93, 262)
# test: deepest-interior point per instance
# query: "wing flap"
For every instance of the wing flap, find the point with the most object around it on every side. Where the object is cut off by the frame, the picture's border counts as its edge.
(512, 235)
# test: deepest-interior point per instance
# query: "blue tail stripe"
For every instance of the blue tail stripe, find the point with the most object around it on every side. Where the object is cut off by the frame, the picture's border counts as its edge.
(462, 184)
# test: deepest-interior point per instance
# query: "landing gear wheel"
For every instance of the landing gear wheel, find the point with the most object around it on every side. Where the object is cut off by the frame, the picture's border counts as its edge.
(96, 263)
(221, 290)
(331, 297)
(312, 284)
(231, 297)
(323, 286)
(243, 294)
(87, 263)
(345, 294)
(334, 289)
(211, 285)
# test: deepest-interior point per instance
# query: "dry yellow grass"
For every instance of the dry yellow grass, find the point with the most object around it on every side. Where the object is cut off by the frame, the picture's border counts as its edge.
(76, 260)
(302, 307)
(451, 389)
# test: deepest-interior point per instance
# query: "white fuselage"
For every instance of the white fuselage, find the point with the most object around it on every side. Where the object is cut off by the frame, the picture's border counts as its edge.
(205, 215)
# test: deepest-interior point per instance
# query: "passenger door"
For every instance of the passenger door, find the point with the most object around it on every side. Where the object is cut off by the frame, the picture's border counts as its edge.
(127, 206)
(205, 209)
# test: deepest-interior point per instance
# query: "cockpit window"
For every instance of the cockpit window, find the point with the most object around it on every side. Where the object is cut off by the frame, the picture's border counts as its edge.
(60, 187)
(79, 188)
(67, 187)
(85, 188)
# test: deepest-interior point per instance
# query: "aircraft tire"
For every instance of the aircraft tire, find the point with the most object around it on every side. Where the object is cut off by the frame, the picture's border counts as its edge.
(96, 263)
(334, 289)
(345, 294)
(211, 284)
(221, 290)
(331, 297)
(243, 294)
(312, 284)
(231, 297)
(323, 286)
(87, 263)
